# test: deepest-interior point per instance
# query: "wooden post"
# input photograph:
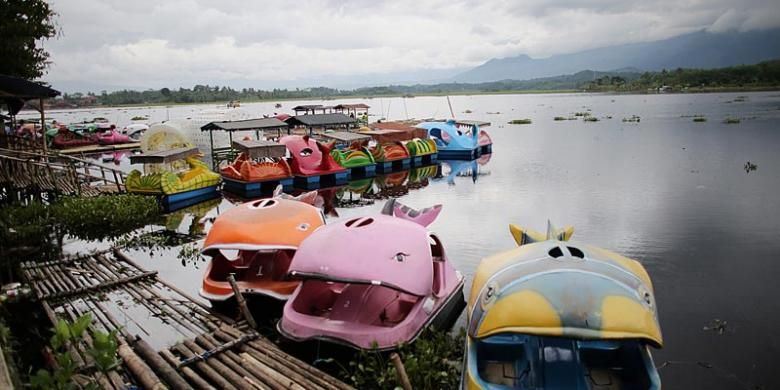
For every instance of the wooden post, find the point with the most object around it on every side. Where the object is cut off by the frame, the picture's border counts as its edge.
(401, 371)
(43, 129)
(241, 302)
(213, 158)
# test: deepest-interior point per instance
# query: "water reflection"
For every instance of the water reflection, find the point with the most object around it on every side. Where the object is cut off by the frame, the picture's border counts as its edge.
(452, 169)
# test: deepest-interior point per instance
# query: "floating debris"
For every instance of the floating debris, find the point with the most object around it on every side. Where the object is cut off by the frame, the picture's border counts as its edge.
(633, 118)
(581, 114)
(524, 121)
(139, 118)
(493, 113)
(731, 121)
(716, 325)
(699, 119)
(467, 112)
(740, 99)
(749, 167)
(559, 118)
(590, 119)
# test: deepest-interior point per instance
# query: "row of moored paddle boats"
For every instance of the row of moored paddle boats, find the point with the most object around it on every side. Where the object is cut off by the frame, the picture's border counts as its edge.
(549, 314)
(261, 164)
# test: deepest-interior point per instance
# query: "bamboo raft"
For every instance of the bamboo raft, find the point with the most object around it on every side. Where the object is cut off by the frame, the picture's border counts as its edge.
(203, 350)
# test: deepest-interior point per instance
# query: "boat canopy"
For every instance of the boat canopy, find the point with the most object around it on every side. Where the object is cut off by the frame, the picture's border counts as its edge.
(380, 250)
(273, 223)
(566, 289)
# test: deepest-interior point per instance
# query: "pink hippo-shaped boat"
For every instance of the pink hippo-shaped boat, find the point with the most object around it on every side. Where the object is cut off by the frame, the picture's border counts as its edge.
(373, 282)
(309, 157)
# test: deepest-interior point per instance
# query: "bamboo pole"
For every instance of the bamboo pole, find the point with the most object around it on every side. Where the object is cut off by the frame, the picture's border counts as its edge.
(206, 369)
(400, 371)
(228, 358)
(190, 374)
(218, 365)
(241, 301)
(160, 366)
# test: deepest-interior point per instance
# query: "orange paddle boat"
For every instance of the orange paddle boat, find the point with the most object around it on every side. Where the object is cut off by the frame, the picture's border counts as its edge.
(256, 241)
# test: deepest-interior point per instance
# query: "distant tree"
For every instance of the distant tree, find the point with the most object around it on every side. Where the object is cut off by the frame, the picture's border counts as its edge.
(23, 25)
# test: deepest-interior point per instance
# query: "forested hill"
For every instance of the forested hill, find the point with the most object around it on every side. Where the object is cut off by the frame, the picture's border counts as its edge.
(762, 75)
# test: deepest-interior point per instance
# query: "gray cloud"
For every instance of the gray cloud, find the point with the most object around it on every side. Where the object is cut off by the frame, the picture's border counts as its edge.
(180, 42)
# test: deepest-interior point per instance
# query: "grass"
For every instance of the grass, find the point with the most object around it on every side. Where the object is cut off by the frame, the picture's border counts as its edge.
(524, 121)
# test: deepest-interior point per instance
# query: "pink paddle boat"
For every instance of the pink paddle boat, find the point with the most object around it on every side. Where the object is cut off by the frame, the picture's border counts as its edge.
(373, 282)
(309, 157)
(112, 136)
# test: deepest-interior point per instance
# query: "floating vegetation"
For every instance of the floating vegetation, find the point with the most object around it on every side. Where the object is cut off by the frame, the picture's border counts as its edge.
(467, 112)
(699, 119)
(717, 326)
(560, 118)
(740, 99)
(524, 121)
(139, 118)
(750, 167)
(590, 119)
(493, 113)
(582, 114)
(633, 118)
(731, 121)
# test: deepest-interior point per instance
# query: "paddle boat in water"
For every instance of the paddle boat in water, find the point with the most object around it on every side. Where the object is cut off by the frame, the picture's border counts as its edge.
(256, 241)
(453, 143)
(135, 130)
(311, 161)
(373, 282)
(349, 150)
(172, 170)
(112, 137)
(259, 166)
(554, 314)
(388, 149)
(67, 139)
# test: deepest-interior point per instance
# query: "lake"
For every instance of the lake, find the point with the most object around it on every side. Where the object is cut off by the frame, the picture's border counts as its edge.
(667, 191)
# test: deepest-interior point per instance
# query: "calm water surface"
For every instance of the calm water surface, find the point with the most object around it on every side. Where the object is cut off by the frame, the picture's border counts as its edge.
(666, 191)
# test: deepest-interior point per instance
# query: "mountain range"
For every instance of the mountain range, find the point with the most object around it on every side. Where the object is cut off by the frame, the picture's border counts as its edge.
(700, 49)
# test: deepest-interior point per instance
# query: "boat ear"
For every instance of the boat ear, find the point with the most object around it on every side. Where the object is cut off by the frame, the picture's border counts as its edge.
(422, 217)
(306, 197)
(525, 236)
(387, 209)
(563, 234)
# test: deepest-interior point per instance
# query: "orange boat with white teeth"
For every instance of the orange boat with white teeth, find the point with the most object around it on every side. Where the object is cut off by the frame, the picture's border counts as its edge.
(256, 241)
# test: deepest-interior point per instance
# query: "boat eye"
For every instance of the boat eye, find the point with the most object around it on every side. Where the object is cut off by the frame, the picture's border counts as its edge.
(303, 227)
(400, 256)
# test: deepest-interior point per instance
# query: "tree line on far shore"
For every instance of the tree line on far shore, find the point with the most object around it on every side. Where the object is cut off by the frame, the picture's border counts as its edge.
(762, 75)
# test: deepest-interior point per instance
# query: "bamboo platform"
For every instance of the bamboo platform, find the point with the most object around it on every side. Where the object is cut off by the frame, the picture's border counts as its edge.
(192, 347)
(57, 173)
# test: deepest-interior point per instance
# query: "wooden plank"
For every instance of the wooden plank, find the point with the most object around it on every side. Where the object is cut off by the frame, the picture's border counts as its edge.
(99, 148)
(260, 149)
(346, 136)
(163, 156)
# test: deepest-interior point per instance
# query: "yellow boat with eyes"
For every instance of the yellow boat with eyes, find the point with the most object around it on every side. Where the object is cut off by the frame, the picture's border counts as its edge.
(559, 314)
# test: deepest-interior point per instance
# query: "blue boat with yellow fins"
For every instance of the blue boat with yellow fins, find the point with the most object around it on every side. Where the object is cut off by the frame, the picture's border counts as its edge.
(559, 314)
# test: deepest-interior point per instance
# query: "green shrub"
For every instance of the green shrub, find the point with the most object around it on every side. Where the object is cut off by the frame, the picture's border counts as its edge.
(107, 216)
(433, 361)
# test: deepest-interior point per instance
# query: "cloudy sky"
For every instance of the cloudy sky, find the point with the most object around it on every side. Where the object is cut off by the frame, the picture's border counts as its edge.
(156, 43)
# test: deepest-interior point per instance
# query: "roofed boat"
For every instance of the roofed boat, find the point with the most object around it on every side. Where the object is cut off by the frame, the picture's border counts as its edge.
(555, 314)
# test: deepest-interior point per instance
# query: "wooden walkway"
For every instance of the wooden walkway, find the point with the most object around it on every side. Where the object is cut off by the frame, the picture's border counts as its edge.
(195, 348)
(52, 172)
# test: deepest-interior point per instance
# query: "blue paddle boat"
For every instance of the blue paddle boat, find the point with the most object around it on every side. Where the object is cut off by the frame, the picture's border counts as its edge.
(554, 314)
(455, 143)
